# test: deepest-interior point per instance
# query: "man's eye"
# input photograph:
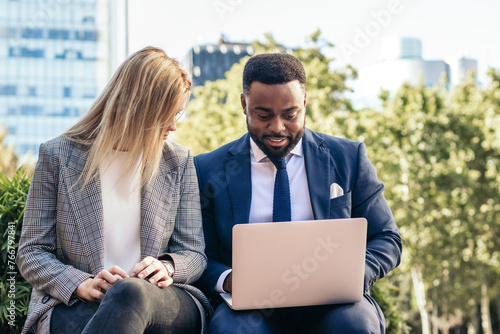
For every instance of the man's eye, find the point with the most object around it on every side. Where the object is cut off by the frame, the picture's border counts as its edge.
(263, 117)
(289, 116)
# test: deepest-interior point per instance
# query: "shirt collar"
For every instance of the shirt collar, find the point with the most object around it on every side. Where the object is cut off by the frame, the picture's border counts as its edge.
(261, 156)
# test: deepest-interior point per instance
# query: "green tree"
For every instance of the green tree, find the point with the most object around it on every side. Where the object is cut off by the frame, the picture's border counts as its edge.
(8, 158)
(437, 153)
(14, 290)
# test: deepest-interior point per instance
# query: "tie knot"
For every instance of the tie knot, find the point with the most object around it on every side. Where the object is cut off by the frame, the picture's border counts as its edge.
(279, 164)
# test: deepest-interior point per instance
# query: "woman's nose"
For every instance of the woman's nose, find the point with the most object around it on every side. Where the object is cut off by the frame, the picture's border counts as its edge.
(172, 127)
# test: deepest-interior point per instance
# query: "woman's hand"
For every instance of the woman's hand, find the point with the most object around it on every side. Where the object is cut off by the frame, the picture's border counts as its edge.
(149, 266)
(91, 288)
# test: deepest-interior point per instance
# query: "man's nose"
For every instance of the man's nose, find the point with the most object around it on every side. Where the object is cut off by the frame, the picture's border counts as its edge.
(277, 125)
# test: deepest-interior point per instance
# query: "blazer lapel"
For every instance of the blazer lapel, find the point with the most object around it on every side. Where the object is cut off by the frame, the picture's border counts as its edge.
(156, 201)
(87, 207)
(237, 171)
(317, 162)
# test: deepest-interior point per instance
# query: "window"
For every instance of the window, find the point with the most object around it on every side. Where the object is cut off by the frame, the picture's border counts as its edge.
(88, 19)
(67, 111)
(82, 57)
(31, 110)
(67, 91)
(12, 130)
(86, 35)
(58, 34)
(8, 90)
(89, 92)
(26, 53)
(31, 91)
(32, 33)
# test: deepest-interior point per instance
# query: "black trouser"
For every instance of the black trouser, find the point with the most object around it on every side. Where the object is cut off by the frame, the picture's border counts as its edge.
(131, 305)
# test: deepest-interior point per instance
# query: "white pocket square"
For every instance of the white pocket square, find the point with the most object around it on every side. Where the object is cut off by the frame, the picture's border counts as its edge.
(335, 190)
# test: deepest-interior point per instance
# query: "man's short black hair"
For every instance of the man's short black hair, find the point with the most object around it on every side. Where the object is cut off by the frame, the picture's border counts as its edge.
(273, 69)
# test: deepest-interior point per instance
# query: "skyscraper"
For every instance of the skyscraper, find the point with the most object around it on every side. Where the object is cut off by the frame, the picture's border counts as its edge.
(55, 57)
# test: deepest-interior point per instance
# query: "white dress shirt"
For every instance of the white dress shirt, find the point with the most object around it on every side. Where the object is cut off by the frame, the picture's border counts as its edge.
(263, 174)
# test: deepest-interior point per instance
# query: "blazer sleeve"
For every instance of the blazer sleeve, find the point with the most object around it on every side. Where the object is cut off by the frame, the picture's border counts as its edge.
(186, 246)
(36, 257)
(384, 246)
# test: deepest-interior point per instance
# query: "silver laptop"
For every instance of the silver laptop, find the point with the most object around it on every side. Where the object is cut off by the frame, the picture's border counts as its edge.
(299, 263)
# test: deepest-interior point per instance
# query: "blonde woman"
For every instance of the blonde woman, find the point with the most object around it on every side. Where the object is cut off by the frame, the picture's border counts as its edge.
(112, 233)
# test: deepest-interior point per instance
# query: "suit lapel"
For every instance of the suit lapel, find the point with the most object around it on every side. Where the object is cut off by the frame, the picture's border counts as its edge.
(237, 171)
(317, 162)
(87, 207)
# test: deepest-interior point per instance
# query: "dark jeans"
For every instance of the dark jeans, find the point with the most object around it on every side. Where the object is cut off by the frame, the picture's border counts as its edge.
(364, 317)
(131, 305)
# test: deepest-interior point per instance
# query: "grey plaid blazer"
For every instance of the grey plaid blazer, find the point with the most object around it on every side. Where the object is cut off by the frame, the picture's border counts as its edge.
(62, 236)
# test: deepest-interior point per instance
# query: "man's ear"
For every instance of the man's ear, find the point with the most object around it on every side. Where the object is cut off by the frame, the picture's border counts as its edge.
(305, 99)
(243, 103)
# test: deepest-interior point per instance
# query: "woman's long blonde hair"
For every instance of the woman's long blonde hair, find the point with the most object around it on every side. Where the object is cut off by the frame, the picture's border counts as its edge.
(133, 112)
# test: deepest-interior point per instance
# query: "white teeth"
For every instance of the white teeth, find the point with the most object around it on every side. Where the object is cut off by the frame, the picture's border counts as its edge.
(276, 140)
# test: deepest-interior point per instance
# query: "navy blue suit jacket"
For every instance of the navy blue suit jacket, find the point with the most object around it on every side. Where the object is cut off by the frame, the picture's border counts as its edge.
(225, 189)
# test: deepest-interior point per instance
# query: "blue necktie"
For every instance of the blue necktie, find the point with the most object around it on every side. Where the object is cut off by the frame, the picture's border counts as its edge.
(281, 201)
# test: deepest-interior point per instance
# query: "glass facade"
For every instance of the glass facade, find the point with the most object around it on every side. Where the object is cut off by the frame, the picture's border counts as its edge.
(211, 62)
(55, 57)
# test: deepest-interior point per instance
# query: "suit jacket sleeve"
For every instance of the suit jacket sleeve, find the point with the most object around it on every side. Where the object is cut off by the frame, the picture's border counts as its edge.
(187, 245)
(216, 264)
(36, 257)
(383, 248)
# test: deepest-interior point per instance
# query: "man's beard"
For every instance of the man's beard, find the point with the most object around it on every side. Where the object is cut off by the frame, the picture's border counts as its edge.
(283, 152)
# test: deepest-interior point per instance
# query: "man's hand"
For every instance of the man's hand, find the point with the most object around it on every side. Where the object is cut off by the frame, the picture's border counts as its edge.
(91, 288)
(149, 266)
(228, 283)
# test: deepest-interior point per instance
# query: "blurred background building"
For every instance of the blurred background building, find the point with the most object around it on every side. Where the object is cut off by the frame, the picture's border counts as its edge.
(211, 61)
(55, 57)
(402, 62)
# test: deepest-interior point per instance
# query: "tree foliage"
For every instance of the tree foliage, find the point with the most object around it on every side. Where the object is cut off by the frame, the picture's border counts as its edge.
(14, 290)
(437, 152)
(9, 161)
(8, 158)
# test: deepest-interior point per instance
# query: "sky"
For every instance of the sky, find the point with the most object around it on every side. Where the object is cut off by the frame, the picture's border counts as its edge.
(357, 28)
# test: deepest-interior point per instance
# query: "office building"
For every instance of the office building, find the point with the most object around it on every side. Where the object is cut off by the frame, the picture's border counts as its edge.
(55, 57)
(459, 67)
(402, 62)
(210, 62)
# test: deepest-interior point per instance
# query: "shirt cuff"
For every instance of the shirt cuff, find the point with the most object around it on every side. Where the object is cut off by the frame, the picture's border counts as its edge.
(219, 287)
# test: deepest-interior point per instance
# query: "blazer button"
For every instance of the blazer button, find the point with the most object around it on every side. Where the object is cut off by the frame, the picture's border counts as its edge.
(45, 299)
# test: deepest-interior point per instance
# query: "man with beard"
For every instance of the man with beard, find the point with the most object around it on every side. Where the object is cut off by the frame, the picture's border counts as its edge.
(321, 177)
